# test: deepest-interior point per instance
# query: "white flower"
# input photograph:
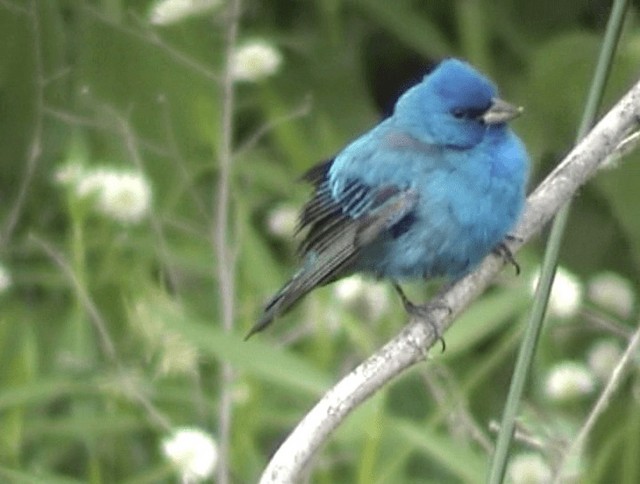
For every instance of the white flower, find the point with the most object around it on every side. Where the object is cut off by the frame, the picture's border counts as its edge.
(192, 452)
(125, 197)
(612, 292)
(603, 358)
(363, 296)
(166, 12)
(122, 195)
(282, 220)
(529, 468)
(349, 289)
(569, 380)
(254, 61)
(5, 279)
(566, 293)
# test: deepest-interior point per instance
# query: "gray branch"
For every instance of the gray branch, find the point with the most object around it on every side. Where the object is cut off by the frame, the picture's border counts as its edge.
(411, 344)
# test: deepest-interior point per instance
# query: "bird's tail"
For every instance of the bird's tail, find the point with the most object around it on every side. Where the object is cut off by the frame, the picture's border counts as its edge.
(297, 287)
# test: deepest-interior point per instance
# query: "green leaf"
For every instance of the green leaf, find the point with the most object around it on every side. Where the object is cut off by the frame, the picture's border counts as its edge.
(460, 461)
(257, 356)
(414, 28)
(485, 317)
(621, 189)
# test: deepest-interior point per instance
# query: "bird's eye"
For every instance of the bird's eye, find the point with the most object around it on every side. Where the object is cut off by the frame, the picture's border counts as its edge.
(468, 113)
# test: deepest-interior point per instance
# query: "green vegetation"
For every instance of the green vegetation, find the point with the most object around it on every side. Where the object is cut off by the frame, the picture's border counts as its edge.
(112, 303)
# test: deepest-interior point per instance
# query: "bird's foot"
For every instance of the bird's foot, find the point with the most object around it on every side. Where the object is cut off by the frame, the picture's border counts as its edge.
(503, 250)
(423, 311)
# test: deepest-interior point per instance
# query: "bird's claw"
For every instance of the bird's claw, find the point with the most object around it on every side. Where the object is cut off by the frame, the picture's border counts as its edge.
(408, 305)
(422, 311)
(503, 250)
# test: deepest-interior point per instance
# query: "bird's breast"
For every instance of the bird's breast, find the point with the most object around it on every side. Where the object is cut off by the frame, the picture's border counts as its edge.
(462, 214)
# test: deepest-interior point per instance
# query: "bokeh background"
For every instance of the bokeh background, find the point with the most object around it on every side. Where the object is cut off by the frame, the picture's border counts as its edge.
(111, 334)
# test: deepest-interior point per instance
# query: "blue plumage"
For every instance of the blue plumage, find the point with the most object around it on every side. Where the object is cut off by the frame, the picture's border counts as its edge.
(426, 193)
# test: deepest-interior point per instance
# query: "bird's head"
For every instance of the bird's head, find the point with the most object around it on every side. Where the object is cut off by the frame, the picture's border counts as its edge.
(452, 106)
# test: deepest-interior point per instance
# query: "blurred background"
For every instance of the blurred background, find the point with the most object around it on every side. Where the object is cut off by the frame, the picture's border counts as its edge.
(115, 364)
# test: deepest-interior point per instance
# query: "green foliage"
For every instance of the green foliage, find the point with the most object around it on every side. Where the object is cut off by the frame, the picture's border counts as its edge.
(110, 331)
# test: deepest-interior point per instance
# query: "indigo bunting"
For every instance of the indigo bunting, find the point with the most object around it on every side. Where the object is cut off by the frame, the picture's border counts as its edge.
(428, 192)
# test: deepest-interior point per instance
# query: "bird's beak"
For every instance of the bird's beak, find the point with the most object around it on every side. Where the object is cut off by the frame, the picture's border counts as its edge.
(500, 112)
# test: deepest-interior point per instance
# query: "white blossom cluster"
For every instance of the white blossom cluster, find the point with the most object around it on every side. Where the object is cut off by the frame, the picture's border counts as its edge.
(167, 12)
(566, 294)
(281, 221)
(192, 452)
(613, 293)
(568, 381)
(119, 194)
(529, 468)
(255, 60)
(367, 298)
(603, 357)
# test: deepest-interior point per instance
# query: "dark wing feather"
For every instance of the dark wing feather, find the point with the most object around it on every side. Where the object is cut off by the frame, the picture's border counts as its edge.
(337, 229)
(320, 204)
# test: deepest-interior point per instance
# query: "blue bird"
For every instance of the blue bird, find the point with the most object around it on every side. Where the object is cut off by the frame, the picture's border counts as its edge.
(428, 192)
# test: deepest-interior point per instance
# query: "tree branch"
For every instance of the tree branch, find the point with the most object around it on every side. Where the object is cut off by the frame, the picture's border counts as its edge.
(411, 344)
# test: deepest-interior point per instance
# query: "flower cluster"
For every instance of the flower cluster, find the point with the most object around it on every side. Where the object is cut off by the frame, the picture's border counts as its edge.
(568, 381)
(529, 468)
(366, 298)
(603, 357)
(566, 294)
(254, 61)
(613, 293)
(122, 195)
(251, 61)
(167, 12)
(192, 452)
(281, 221)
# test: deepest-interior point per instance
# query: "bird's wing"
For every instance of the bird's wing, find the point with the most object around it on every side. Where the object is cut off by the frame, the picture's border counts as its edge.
(339, 226)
